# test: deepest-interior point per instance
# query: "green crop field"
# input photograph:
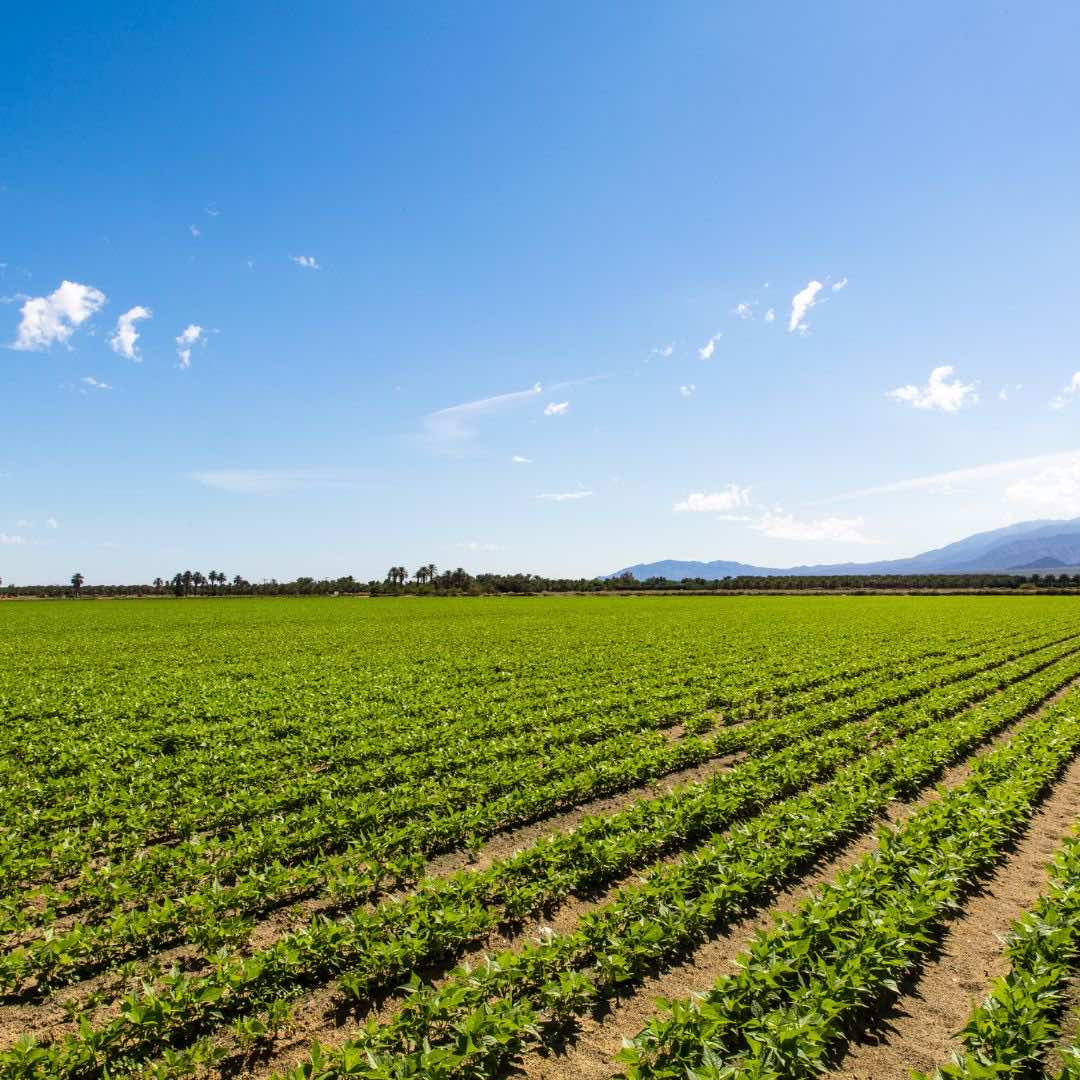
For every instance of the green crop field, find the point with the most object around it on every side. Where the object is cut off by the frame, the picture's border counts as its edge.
(479, 838)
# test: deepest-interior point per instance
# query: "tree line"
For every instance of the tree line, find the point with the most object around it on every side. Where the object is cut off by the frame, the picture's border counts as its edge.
(428, 580)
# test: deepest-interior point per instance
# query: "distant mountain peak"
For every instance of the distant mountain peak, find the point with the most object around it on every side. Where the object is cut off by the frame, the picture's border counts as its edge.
(1023, 546)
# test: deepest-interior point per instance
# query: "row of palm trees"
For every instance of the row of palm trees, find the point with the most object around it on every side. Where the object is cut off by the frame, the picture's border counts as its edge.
(190, 582)
(398, 575)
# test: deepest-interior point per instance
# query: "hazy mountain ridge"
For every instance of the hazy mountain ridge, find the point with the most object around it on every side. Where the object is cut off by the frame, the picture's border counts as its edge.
(1038, 545)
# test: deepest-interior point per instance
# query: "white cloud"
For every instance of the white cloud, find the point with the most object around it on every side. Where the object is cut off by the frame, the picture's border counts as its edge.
(949, 481)
(267, 481)
(212, 210)
(1055, 489)
(517, 459)
(476, 545)
(1072, 388)
(52, 318)
(838, 285)
(718, 502)
(688, 390)
(195, 231)
(454, 422)
(94, 384)
(665, 350)
(565, 496)
(706, 350)
(770, 315)
(744, 311)
(125, 337)
(782, 526)
(22, 523)
(938, 393)
(191, 335)
(8, 538)
(801, 303)
(52, 523)
(556, 408)
(306, 261)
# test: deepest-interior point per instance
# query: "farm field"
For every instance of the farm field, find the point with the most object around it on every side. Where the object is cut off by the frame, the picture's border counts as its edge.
(639, 837)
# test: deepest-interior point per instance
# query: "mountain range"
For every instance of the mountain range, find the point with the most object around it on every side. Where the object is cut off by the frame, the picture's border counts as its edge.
(1026, 547)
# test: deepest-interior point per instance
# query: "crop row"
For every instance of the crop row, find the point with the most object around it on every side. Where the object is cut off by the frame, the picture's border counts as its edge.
(478, 1020)
(751, 858)
(202, 915)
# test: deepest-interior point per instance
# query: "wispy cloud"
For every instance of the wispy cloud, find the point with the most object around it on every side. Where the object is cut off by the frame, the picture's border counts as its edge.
(212, 210)
(556, 408)
(565, 496)
(306, 261)
(47, 320)
(477, 545)
(190, 336)
(94, 384)
(801, 303)
(456, 422)
(268, 481)
(954, 478)
(940, 392)
(770, 315)
(687, 390)
(744, 310)
(1054, 489)
(125, 337)
(1072, 388)
(781, 526)
(11, 539)
(838, 285)
(706, 351)
(196, 232)
(517, 459)
(52, 523)
(664, 350)
(731, 498)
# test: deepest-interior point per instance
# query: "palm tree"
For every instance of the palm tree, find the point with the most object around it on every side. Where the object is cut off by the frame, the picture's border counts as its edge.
(186, 580)
(158, 583)
(77, 581)
(237, 582)
(197, 579)
(421, 575)
(432, 570)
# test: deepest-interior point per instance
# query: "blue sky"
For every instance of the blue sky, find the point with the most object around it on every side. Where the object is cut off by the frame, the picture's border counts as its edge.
(403, 245)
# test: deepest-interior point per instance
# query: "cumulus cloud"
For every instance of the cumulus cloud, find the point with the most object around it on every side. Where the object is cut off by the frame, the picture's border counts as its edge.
(744, 311)
(190, 336)
(94, 384)
(556, 408)
(781, 526)
(125, 337)
(718, 502)
(801, 303)
(517, 459)
(1054, 489)
(938, 393)
(54, 318)
(665, 350)
(687, 390)
(565, 496)
(306, 261)
(1072, 388)
(770, 315)
(706, 350)
(838, 285)
(9, 538)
